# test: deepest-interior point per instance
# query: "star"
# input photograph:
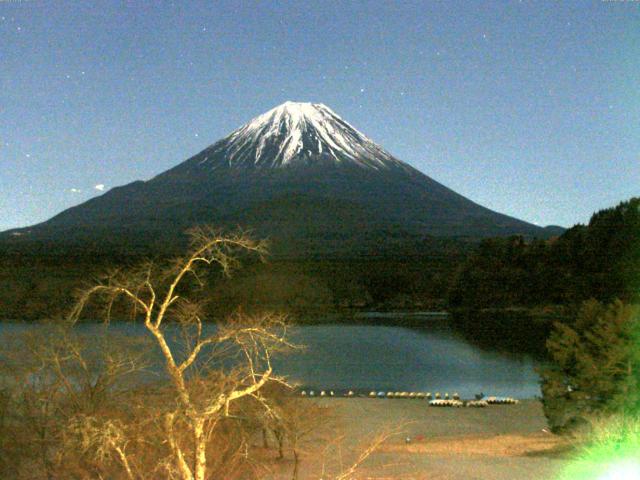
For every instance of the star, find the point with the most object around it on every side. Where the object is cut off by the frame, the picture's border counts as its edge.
(362, 90)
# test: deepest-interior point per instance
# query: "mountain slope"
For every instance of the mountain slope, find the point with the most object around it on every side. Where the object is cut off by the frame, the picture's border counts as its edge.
(298, 174)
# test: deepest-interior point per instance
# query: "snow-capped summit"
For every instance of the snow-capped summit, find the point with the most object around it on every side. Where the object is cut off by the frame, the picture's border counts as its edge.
(298, 133)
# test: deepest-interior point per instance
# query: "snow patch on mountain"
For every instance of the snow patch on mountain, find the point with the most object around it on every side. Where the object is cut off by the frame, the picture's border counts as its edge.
(297, 132)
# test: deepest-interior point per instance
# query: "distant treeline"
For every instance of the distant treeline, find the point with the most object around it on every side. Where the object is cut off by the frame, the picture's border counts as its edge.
(35, 285)
(600, 260)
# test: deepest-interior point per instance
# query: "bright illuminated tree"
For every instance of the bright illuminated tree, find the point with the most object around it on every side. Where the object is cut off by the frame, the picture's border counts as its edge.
(203, 390)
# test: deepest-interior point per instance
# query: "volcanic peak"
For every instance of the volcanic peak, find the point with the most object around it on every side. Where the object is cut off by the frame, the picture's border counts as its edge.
(298, 132)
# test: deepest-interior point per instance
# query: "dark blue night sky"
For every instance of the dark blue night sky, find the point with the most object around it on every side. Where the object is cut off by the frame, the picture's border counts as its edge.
(529, 108)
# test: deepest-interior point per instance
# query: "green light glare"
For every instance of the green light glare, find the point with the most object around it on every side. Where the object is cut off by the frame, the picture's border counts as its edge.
(619, 469)
(611, 453)
(624, 470)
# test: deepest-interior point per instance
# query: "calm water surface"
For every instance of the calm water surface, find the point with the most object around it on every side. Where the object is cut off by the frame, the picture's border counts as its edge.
(367, 357)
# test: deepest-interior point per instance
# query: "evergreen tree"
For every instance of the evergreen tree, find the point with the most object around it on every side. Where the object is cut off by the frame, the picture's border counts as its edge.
(600, 260)
(595, 364)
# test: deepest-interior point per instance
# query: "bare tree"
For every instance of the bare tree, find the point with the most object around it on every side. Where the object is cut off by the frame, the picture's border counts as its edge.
(52, 375)
(365, 453)
(204, 386)
(75, 410)
(298, 425)
(303, 421)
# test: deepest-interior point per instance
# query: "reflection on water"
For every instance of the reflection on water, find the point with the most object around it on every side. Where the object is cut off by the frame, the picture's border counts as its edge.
(397, 358)
(432, 359)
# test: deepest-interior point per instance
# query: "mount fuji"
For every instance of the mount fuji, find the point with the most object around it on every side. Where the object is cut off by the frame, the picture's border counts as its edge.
(298, 174)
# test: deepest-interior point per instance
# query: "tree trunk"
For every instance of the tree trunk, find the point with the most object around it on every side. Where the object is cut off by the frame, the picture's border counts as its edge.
(200, 469)
(280, 438)
(183, 467)
(265, 438)
(296, 463)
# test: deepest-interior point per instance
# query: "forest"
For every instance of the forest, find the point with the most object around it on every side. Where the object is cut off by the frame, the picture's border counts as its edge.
(598, 260)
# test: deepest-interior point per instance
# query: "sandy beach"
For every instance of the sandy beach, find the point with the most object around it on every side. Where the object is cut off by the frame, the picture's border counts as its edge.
(506, 442)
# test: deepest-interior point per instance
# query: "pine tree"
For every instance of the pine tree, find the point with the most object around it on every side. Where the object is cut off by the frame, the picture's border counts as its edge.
(595, 365)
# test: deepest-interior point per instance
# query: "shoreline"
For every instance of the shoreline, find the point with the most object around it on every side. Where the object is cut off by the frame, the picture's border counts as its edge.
(501, 442)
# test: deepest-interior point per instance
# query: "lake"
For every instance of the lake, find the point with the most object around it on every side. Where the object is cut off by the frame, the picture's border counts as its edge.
(381, 357)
